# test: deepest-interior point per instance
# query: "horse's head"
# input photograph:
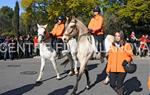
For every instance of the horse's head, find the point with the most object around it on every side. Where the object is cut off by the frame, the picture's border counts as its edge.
(71, 30)
(41, 32)
(74, 28)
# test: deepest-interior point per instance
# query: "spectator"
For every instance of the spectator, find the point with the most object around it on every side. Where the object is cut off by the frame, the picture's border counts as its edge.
(148, 83)
(133, 41)
(35, 41)
(143, 48)
(7, 53)
(21, 47)
(119, 52)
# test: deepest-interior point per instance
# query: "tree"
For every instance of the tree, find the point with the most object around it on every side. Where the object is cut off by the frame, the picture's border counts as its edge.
(132, 15)
(16, 19)
(6, 14)
(137, 10)
(47, 11)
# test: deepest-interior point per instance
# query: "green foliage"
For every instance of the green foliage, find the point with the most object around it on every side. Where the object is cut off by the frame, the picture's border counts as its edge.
(6, 14)
(118, 14)
(76, 8)
(16, 19)
(49, 10)
(8, 34)
(137, 10)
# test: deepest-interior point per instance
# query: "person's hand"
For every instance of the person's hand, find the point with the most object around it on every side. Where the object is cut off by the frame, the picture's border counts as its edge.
(52, 36)
(90, 31)
(125, 63)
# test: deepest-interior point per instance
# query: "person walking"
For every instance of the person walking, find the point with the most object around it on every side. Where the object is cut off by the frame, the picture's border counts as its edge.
(119, 52)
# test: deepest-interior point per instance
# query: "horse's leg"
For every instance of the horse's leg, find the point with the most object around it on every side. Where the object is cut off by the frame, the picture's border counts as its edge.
(71, 64)
(41, 69)
(74, 57)
(87, 78)
(83, 63)
(55, 67)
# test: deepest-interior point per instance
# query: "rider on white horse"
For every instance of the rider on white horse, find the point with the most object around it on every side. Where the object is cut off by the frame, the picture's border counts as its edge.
(64, 48)
(57, 34)
(96, 29)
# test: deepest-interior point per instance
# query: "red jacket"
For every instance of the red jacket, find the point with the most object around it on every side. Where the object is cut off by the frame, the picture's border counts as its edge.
(35, 41)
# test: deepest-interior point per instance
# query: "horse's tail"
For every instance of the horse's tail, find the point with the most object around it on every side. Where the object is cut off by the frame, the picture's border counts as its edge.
(108, 41)
(94, 44)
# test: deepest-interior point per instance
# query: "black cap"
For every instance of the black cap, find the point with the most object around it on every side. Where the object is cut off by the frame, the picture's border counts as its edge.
(61, 18)
(96, 9)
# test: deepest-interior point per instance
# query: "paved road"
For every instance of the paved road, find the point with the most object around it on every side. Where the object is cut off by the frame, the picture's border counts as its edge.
(17, 77)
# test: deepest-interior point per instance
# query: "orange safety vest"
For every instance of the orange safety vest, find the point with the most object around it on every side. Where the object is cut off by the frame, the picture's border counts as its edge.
(97, 24)
(116, 56)
(58, 30)
(148, 83)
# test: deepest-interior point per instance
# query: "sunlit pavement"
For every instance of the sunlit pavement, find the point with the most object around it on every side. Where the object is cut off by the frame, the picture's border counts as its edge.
(17, 77)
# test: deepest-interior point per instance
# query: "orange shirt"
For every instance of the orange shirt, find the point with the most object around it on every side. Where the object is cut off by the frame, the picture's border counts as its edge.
(58, 30)
(96, 24)
(116, 57)
(148, 83)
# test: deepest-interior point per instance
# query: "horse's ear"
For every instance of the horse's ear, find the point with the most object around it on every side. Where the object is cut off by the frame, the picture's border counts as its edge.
(67, 18)
(73, 17)
(38, 25)
(45, 26)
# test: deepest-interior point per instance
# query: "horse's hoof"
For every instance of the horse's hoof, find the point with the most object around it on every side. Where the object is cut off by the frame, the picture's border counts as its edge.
(106, 83)
(73, 93)
(58, 78)
(102, 60)
(76, 72)
(87, 87)
(71, 73)
(38, 83)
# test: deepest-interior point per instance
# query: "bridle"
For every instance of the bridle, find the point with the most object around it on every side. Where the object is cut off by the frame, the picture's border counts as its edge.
(73, 29)
(43, 36)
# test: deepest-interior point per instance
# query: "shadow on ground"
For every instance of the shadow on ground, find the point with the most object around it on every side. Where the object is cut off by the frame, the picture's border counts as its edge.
(100, 77)
(20, 90)
(61, 91)
(131, 85)
(90, 67)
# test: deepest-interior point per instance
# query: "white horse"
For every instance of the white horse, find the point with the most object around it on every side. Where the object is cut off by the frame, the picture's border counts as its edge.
(47, 52)
(107, 43)
(85, 47)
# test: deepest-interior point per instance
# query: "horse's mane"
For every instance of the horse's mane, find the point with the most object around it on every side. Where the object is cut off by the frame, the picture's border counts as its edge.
(81, 24)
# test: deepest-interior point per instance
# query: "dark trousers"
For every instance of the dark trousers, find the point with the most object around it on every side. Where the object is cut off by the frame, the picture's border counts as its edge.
(58, 44)
(99, 42)
(116, 80)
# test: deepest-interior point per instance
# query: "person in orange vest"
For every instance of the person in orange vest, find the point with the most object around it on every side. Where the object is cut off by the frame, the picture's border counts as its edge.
(57, 34)
(148, 83)
(119, 52)
(95, 27)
